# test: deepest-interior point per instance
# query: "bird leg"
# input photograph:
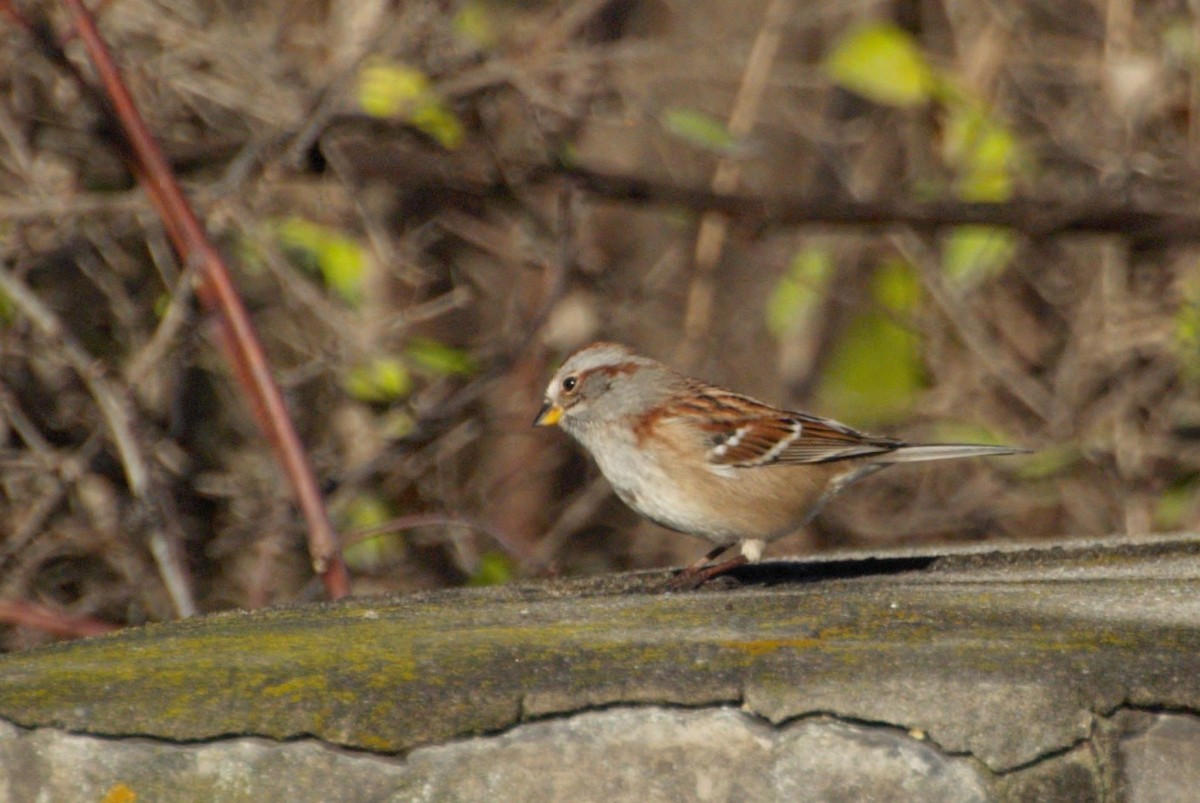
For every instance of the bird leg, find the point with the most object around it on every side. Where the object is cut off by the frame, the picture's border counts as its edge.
(699, 573)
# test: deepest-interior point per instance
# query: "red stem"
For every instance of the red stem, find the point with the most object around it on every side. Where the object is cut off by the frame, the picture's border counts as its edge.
(217, 292)
(39, 617)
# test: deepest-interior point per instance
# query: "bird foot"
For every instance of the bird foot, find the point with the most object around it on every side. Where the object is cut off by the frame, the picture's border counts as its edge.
(700, 573)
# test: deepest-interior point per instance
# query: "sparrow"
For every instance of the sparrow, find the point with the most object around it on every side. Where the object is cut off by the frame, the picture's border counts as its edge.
(712, 463)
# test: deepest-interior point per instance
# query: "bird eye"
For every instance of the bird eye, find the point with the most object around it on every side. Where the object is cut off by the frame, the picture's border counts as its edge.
(569, 383)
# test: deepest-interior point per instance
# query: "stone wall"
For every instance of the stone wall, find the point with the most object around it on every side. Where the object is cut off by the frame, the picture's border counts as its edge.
(1061, 674)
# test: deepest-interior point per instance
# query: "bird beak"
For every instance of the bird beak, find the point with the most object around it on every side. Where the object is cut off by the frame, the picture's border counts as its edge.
(549, 415)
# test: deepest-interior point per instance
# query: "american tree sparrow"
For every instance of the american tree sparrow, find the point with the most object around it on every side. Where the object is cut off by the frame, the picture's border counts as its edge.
(710, 462)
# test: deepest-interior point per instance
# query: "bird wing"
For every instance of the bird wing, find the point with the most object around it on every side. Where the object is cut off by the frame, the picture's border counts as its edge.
(741, 432)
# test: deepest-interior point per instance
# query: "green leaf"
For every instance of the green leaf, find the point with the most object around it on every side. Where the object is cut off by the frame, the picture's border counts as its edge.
(391, 90)
(494, 569)
(883, 63)
(473, 23)
(875, 373)
(373, 553)
(162, 303)
(1187, 327)
(382, 380)
(799, 291)
(1179, 42)
(438, 358)
(343, 266)
(962, 432)
(397, 424)
(981, 150)
(1048, 462)
(568, 155)
(973, 253)
(396, 91)
(365, 512)
(340, 260)
(896, 286)
(698, 129)
(1175, 505)
(439, 122)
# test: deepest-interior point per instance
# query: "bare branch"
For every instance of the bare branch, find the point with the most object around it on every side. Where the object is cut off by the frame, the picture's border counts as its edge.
(1027, 216)
(114, 408)
(27, 614)
(217, 292)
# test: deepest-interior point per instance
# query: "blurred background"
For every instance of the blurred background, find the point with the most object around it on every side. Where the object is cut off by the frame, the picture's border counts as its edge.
(398, 186)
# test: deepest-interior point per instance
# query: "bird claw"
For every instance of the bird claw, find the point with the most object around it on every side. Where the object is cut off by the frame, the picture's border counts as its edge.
(695, 575)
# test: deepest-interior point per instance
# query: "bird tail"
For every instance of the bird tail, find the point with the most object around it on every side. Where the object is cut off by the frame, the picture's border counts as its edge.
(918, 452)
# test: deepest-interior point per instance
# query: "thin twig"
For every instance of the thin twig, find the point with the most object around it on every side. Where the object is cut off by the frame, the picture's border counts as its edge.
(39, 617)
(166, 547)
(107, 395)
(577, 513)
(173, 320)
(556, 34)
(217, 292)
(1039, 219)
(413, 520)
(82, 204)
(714, 226)
(70, 470)
(1001, 365)
(114, 408)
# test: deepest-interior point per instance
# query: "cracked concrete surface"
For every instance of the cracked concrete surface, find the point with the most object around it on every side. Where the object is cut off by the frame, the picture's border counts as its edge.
(1065, 673)
(647, 753)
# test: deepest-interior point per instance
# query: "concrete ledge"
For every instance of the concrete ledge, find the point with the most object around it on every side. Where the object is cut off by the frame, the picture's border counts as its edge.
(1008, 660)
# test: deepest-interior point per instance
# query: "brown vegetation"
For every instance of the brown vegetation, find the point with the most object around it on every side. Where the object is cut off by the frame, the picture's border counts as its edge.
(561, 183)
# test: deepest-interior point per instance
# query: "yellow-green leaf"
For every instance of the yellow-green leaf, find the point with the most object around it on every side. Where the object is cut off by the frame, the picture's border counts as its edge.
(962, 432)
(1174, 505)
(339, 259)
(875, 371)
(494, 569)
(568, 155)
(438, 358)
(883, 63)
(473, 22)
(799, 290)
(343, 265)
(386, 89)
(397, 91)
(436, 120)
(973, 253)
(1180, 43)
(374, 552)
(698, 129)
(367, 511)
(1048, 462)
(981, 150)
(1187, 326)
(397, 424)
(381, 380)
(1187, 339)
(896, 287)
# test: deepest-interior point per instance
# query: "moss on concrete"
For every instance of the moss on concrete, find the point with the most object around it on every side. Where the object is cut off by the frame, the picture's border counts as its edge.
(1004, 655)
